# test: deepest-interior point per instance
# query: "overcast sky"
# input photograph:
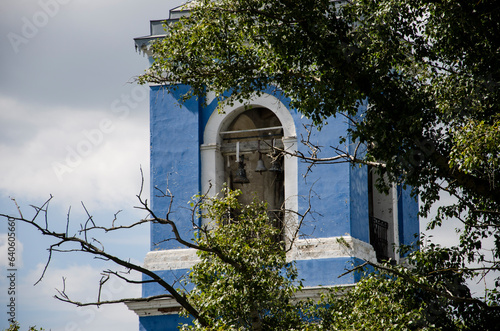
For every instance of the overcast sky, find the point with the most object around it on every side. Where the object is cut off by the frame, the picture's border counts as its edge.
(73, 126)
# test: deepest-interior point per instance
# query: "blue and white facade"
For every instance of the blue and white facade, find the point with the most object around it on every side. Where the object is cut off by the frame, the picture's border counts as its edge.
(193, 148)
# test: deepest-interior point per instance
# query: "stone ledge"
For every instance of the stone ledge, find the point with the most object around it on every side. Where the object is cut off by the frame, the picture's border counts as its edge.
(156, 307)
(325, 248)
(171, 259)
(168, 306)
(304, 249)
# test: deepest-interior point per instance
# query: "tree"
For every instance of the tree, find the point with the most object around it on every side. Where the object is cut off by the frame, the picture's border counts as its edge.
(253, 286)
(419, 81)
(16, 327)
(243, 253)
(244, 281)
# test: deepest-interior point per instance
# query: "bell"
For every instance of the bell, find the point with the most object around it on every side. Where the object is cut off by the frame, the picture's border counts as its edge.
(275, 167)
(241, 174)
(260, 164)
(275, 164)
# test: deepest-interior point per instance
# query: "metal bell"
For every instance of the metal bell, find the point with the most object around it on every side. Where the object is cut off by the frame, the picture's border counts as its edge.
(275, 164)
(260, 164)
(241, 174)
(275, 167)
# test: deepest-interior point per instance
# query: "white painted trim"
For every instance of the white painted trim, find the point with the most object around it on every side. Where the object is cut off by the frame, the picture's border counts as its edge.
(303, 249)
(395, 221)
(224, 116)
(168, 306)
(291, 188)
(210, 154)
(156, 307)
(333, 247)
(315, 292)
(171, 259)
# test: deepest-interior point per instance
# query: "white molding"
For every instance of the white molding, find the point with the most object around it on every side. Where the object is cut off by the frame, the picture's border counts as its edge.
(333, 247)
(303, 249)
(211, 175)
(291, 188)
(156, 307)
(171, 259)
(314, 292)
(223, 116)
(168, 306)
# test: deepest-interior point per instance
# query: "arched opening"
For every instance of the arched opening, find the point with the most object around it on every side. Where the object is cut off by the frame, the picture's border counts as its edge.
(254, 125)
(252, 135)
(250, 162)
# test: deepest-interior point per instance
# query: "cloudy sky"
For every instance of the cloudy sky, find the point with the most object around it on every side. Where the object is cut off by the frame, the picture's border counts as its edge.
(72, 125)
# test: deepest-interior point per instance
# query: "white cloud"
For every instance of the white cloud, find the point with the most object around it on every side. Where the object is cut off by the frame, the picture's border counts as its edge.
(65, 77)
(17, 253)
(74, 154)
(39, 307)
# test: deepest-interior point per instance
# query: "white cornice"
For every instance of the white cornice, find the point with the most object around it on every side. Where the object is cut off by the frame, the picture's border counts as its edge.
(168, 306)
(304, 249)
(333, 247)
(171, 259)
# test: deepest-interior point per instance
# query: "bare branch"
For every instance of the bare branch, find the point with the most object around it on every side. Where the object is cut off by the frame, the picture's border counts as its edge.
(90, 218)
(65, 298)
(128, 280)
(301, 219)
(114, 228)
(342, 156)
(115, 218)
(88, 247)
(67, 220)
(18, 208)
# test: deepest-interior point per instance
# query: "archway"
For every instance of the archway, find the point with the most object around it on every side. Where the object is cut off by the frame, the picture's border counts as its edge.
(263, 116)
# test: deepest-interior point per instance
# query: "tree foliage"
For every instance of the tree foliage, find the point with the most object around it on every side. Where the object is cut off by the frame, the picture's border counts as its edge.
(255, 287)
(254, 290)
(418, 79)
(16, 327)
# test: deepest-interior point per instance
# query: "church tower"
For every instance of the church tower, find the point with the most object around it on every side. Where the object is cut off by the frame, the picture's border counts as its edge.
(196, 149)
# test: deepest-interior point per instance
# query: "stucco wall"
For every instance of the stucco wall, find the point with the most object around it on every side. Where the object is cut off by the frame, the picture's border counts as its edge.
(175, 162)
(338, 193)
(407, 217)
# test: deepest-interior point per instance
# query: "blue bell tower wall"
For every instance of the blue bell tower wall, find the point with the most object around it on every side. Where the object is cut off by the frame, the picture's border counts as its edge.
(339, 195)
(408, 221)
(175, 163)
(336, 194)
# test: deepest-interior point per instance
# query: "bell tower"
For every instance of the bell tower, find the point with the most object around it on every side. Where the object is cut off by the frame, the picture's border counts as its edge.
(196, 149)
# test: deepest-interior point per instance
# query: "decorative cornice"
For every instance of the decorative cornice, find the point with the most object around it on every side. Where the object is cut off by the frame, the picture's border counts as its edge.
(168, 306)
(303, 249)
(156, 307)
(171, 259)
(326, 248)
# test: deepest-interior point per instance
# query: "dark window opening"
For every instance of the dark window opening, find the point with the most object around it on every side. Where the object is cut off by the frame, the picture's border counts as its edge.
(380, 210)
(378, 238)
